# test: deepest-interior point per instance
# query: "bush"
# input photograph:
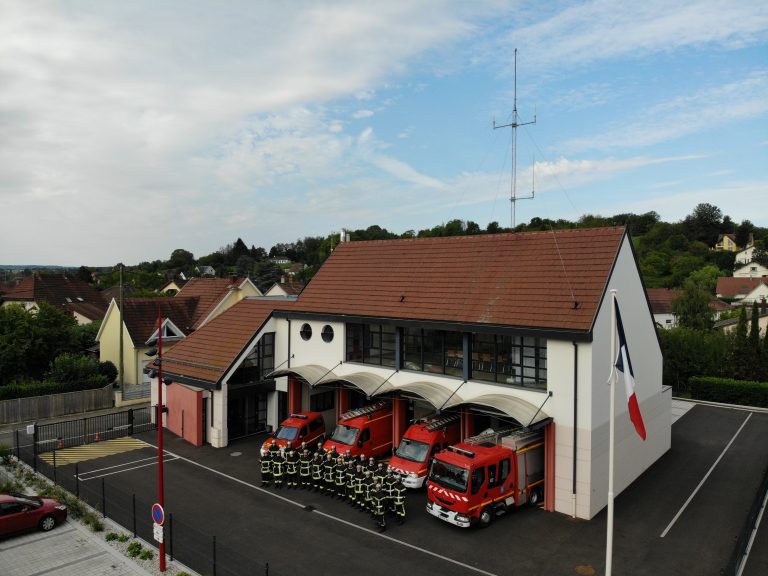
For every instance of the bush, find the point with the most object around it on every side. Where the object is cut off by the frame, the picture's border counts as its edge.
(108, 369)
(29, 389)
(134, 549)
(72, 368)
(110, 536)
(742, 392)
(146, 555)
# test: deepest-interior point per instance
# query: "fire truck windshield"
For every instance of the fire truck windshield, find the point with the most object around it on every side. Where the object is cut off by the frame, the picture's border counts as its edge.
(449, 476)
(287, 433)
(345, 434)
(412, 450)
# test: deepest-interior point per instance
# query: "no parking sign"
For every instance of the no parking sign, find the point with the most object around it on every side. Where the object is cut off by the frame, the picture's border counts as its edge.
(158, 514)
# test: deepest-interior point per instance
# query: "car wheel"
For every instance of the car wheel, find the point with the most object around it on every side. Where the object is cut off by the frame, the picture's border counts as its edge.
(535, 496)
(47, 523)
(486, 517)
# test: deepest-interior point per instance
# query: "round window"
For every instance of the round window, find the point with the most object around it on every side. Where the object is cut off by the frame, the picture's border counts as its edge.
(306, 332)
(327, 333)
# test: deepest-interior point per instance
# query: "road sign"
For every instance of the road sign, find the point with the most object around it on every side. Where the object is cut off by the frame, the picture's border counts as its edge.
(158, 514)
(157, 530)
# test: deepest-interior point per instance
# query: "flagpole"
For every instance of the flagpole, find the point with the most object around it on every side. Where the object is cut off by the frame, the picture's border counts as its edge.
(612, 383)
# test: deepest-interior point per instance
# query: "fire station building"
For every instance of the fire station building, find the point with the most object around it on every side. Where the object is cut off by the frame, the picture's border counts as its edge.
(507, 329)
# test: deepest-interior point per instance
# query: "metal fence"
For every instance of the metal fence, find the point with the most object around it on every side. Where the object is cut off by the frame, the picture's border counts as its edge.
(54, 405)
(185, 539)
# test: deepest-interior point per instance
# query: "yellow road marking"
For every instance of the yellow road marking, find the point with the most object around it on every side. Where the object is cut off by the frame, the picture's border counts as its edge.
(92, 451)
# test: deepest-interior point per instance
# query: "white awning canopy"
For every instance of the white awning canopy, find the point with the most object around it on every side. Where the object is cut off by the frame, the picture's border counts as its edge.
(517, 408)
(434, 393)
(369, 383)
(313, 374)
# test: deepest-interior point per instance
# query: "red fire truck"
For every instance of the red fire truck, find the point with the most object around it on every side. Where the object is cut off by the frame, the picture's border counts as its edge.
(485, 476)
(307, 427)
(366, 430)
(423, 439)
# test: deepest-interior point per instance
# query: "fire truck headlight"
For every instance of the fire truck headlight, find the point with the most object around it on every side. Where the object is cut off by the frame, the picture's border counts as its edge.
(413, 475)
(462, 518)
(429, 504)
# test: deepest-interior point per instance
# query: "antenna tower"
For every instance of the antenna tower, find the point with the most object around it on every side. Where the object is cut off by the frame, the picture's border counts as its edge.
(514, 125)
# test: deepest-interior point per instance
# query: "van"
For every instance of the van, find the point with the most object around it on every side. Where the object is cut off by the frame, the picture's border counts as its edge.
(307, 427)
(366, 430)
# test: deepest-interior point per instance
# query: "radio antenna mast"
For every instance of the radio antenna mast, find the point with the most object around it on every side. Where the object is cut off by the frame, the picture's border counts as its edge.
(514, 125)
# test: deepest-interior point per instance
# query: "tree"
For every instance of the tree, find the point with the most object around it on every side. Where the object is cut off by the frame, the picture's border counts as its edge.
(84, 274)
(743, 233)
(704, 224)
(742, 355)
(266, 273)
(692, 306)
(181, 259)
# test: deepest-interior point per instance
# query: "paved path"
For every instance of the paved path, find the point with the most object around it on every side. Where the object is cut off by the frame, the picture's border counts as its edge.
(67, 550)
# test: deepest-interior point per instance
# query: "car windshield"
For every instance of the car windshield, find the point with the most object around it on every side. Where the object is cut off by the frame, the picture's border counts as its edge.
(287, 433)
(345, 434)
(33, 501)
(412, 450)
(449, 476)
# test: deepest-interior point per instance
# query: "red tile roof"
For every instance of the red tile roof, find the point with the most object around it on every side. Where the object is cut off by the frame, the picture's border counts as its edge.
(94, 312)
(209, 292)
(661, 299)
(56, 289)
(730, 287)
(208, 353)
(140, 315)
(521, 279)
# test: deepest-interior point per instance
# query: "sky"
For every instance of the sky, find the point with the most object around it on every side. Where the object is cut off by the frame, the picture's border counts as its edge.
(130, 129)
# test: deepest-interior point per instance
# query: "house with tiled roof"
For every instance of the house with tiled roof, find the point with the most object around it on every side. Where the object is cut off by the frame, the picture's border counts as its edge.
(174, 285)
(199, 301)
(745, 290)
(751, 270)
(727, 243)
(78, 298)
(502, 330)
(661, 299)
(285, 289)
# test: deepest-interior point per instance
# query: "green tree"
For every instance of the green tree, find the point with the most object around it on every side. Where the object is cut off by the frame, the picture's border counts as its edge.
(67, 368)
(692, 306)
(704, 224)
(688, 352)
(181, 260)
(266, 274)
(742, 354)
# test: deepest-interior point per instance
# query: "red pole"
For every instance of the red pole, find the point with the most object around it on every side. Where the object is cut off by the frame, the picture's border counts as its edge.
(160, 490)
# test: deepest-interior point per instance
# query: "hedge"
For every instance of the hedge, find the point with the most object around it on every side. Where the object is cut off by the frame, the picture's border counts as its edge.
(742, 392)
(29, 389)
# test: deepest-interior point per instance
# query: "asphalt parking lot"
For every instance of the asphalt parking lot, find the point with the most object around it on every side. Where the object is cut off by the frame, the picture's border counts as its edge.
(681, 517)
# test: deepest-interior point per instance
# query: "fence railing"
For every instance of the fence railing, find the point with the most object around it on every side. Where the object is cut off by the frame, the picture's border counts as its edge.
(185, 542)
(54, 405)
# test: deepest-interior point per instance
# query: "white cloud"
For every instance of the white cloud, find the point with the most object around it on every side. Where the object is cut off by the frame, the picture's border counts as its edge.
(362, 114)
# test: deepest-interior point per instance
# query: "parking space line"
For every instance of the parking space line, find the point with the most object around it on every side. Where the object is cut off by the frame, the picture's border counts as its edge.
(154, 463)
(696, 490)
(743, 562)
(54, 534)
(121, 465)
(68, 564)
(331, 517)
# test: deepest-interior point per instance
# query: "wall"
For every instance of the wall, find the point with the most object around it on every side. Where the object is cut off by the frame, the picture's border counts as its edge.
(109, 345)
(52, 405)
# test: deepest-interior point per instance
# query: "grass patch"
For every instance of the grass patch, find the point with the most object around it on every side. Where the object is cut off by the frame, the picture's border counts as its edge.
(146, 555)
(134, 549)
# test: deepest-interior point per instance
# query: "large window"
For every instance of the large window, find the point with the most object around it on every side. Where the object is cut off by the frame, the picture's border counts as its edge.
(259, 363)
(516, 360)
(371, 344)
(434, 351)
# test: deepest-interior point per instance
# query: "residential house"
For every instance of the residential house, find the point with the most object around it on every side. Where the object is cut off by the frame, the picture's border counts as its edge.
(78, 298)
(727, 243)
(199, 301)
(745, 256)
(209, 271)
(175, 285)
(285, 289)
(664, 316)
(434, 324)
(751, 270)
(729, 325)
(745, 290)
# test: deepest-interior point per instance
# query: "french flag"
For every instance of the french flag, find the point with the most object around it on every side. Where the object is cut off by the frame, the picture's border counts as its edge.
(624, 365)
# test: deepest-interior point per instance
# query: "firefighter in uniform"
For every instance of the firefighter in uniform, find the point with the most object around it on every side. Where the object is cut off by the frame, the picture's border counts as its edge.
(372, 465)
(278, 468)
(305, 469)
(368, 485)
(380, 474)
(292, 469)
(379, 502)
(334, 453)
(349, 481)
(399, 489)
(266, 468)
(328, 469)
(389, 489)
(339, 471)
(320, 450)
(359, 501)
(273, 447)
(317, 472)
(348, 456)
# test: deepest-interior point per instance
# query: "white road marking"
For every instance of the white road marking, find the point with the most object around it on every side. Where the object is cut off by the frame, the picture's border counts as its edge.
(173, 457)
(744, 558)
(680, 512)
(330, 517)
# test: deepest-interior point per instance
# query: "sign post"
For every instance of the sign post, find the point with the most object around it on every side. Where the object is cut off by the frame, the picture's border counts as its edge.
(158, 519)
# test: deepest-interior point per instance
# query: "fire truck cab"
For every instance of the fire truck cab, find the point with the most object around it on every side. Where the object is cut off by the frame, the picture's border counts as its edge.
(307, 427)
(478, 479)
(366, 430)
(423, 439)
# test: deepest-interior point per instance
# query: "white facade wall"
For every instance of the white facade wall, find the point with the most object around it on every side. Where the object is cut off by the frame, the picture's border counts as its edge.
(751, 270)
(665, 320)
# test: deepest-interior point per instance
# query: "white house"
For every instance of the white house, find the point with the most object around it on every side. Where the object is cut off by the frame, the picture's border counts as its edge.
(751, 270)
(507, 329)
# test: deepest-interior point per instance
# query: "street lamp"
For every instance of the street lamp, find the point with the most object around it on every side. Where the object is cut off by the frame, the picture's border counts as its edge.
(159, 419)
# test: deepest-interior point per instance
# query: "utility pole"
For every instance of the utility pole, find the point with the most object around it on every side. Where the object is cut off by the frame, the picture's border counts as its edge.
(514, 125)
(122, 361)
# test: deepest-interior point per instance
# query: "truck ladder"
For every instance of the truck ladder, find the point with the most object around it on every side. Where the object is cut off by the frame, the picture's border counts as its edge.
(364, 410)
(436, 422)
(495, 436)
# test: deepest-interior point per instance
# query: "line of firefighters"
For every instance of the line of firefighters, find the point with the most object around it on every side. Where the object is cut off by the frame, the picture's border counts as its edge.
(365, 484)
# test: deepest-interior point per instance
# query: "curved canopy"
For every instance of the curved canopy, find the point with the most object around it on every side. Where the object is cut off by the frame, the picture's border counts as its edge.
(519, 409)
(368, 382)
(311, 373)
(434, 393)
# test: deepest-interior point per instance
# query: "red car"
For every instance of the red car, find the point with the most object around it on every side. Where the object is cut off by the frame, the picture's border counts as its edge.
(19, 512)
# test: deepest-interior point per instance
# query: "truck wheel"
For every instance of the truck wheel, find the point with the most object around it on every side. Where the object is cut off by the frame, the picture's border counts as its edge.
(486, 517)
(535, 496)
